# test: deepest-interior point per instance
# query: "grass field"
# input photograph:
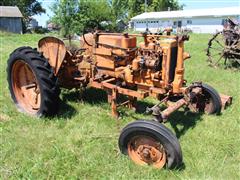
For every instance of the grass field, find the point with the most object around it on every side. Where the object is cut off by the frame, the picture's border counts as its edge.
(81, 141)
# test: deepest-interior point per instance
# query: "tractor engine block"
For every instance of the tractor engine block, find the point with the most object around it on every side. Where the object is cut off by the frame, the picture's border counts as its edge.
(154, 65)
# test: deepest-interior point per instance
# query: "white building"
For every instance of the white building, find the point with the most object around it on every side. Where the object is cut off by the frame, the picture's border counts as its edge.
(33, 24)
(197, 20)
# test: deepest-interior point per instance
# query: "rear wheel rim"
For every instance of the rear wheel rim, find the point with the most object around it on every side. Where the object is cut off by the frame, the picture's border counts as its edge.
(25, 87)
(216, 50)
(145, 150)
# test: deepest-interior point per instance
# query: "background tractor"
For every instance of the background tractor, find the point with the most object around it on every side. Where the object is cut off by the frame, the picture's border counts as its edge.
(224, 46)
(115, 63)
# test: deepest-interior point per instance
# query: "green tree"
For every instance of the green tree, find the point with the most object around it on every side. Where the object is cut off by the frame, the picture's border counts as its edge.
(126, 9)
(95, 14)
(164, 5)
(138, 6)
(119, 9)
(66, 16)
(73, 16)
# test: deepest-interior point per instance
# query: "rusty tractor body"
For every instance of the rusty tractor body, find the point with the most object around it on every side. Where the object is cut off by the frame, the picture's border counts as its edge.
(115, 63)
(224, 46)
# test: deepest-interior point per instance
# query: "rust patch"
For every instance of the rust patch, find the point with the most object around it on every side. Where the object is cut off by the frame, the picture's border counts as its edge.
(144, 150)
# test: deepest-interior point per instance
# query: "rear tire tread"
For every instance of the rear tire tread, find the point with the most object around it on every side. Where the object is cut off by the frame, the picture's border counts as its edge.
(215, 97)
(44, 73)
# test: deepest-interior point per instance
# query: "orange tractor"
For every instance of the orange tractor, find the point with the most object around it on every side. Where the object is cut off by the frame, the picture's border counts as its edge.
(115, 63)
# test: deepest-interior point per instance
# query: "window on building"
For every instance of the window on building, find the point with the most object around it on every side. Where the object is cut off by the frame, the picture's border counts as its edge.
(189, 21)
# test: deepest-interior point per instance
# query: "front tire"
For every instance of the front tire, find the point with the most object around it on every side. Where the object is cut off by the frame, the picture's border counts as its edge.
(208, 102)
(32, 83)
(150, 143)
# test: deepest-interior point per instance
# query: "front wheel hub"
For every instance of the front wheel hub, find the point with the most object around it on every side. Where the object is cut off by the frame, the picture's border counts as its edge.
(146, 150)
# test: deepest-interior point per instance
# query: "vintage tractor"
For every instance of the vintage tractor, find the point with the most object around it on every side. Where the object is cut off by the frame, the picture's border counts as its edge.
(224, 46)
(113, 62)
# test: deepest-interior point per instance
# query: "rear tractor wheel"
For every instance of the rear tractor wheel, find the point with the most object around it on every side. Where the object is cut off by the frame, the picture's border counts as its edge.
(32, 83)
(223, 49)
(216, 50)
(150, 143)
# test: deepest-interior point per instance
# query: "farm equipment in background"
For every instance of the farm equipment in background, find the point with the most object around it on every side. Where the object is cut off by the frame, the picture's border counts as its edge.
(113, 62)
(224, 46)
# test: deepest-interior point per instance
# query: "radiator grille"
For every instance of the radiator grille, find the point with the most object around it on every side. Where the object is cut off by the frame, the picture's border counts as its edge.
(173, 63)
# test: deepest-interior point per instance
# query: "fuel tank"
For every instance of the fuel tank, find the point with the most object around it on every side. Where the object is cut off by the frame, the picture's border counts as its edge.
(119, 41)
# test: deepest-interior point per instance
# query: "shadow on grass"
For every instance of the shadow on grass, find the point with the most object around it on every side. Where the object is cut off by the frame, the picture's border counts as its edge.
(142, 106)
(90, 95)
(66, 111)
(179, 120)
(185, 120)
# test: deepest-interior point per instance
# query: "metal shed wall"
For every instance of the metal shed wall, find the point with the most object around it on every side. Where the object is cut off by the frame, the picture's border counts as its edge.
(11, 24)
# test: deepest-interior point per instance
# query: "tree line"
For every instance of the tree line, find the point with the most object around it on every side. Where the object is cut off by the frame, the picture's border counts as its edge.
(75, 16)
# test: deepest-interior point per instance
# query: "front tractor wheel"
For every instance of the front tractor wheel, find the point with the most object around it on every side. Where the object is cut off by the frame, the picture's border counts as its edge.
(150, 143)
(32, 84)
(208, 101)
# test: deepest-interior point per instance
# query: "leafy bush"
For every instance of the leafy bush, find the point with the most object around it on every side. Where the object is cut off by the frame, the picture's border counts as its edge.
(40, 30)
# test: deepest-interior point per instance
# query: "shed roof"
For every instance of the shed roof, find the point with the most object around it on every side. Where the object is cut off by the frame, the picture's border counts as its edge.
(215, 12)
(10, 11)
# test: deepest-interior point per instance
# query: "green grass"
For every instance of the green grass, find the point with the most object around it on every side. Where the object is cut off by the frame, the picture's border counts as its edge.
(81, 141)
